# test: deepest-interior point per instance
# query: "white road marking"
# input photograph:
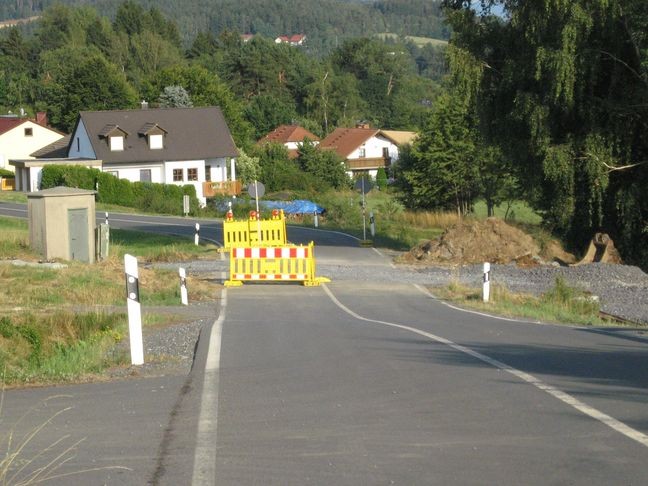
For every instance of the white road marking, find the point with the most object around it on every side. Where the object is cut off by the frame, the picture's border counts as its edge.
(582, 407)
(204, 470)
(14, 210)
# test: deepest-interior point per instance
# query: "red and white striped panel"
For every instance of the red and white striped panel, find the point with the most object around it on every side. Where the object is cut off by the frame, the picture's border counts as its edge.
(263, 276)
(288, 252)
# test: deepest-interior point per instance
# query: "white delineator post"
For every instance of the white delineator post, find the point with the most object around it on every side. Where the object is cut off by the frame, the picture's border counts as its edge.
(183, 287)
(134, 310)
(486, 290)
(372, 224)
(197, 235)
(315, 220)
(106, 217)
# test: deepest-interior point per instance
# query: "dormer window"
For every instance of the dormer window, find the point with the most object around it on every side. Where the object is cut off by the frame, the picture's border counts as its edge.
(116, 144)
(154, 134)
(156, 142)
(114, 136)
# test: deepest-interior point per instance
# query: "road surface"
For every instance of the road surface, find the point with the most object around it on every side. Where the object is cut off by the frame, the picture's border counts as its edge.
(359, 382)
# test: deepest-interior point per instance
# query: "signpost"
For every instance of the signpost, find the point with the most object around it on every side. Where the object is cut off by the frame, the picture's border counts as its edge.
(363, 184)
(257, 190)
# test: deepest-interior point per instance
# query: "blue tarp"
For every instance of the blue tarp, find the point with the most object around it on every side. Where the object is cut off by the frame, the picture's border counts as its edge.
(294, 207)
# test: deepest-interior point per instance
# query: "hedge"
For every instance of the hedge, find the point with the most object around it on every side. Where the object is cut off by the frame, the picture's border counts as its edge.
(7, 173)
(146, 196)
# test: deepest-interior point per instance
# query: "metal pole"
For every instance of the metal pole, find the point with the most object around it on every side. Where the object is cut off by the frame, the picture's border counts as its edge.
(256, 195)
(364, 219)
(134, 310)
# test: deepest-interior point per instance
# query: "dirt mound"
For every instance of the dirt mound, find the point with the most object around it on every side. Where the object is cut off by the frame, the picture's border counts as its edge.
(491, 240)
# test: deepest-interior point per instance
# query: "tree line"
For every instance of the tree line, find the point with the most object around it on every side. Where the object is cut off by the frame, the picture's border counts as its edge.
(327, 23)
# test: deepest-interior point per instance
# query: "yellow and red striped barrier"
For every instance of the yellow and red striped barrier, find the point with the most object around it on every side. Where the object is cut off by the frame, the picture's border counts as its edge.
(280, 264)
(254, 232)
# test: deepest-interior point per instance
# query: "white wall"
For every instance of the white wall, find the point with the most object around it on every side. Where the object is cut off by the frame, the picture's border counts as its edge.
(218, 169)
(14, 145)
(80, 145)
(184, 165)
(373, 148)
(131, 172)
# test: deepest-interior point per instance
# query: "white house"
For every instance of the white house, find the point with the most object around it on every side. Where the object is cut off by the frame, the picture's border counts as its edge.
(169, 145)
(365, 149)
(291, 136)
(20, 137)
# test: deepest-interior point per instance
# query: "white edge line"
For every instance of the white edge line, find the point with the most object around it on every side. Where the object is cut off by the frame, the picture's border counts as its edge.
(204, 468)
(573, 402)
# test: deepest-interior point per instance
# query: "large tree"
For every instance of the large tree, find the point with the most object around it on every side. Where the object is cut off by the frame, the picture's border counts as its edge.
(440, 170)
(562, 87)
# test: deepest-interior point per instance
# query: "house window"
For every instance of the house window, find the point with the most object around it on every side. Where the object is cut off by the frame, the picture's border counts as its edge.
(113, 173)
(29, 132)
(177, 175)
(116, 144)
(156, 142)
(192, 174)
(362, 152)
(208, 173)
(145, 175)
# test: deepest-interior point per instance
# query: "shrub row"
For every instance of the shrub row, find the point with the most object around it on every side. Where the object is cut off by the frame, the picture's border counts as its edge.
(145, 196)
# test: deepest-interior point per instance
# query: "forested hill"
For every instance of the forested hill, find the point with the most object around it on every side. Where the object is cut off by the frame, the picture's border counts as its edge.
(326, 23)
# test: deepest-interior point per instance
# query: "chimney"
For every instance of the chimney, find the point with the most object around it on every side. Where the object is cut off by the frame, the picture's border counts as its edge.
(363, 124)
(41, 118)
(144, 105)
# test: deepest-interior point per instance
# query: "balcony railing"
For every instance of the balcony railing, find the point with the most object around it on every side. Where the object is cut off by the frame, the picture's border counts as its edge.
(223, 188)
(368, 163)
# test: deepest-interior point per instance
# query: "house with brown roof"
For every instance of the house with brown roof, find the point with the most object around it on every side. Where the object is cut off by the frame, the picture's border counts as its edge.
(168, 145)
(21, 136)
(365, 149)
(292, 136)
(293, 40)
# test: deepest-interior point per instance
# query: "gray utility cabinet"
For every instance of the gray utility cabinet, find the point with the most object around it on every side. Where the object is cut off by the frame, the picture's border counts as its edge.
(62, 223)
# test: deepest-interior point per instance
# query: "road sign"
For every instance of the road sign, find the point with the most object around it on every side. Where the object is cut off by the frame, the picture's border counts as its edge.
(363, 184)
(256, 189)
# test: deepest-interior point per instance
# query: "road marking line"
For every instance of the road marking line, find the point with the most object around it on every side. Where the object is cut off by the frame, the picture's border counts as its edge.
(204, 470)
(13, 209)
(573, 402)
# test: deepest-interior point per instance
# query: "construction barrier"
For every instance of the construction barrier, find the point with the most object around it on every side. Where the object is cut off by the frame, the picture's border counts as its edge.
(279, 264)
(254, 231)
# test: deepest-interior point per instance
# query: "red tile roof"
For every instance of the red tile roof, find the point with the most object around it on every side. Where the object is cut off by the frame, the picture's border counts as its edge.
(289, 133)
(345, 140)
(9, 123)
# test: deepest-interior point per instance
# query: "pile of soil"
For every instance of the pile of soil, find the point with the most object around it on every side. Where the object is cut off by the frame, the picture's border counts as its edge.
(491, 240)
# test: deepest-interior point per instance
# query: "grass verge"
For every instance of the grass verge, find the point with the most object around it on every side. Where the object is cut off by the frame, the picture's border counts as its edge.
(62, 324)
(560, 304)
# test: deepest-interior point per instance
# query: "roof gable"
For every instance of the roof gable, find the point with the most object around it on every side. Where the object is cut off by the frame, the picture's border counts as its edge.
(9, 123)
(345, 140)
(190, 134)
(289, 133)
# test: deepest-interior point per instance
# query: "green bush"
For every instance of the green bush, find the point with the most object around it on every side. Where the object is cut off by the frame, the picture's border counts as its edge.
(6, 173)
(381, 178)
(146, 196)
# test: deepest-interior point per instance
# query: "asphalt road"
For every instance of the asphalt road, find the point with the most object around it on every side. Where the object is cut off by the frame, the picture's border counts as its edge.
(359, 382)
